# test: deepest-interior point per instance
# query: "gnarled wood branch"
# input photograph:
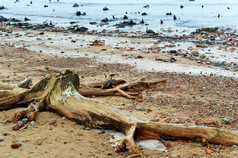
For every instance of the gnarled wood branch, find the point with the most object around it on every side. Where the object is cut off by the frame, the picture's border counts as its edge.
(60, 92)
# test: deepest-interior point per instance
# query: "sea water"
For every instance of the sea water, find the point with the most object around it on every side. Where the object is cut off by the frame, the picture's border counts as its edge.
(194, 14)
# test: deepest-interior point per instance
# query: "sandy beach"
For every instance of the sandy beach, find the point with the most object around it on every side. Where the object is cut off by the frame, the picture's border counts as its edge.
(201, 89)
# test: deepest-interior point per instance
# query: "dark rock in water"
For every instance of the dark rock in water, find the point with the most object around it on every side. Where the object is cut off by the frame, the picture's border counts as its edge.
(142, 21)
(45, 6)
(175, 18)
(144, 13)
(149, 31)
(105, 20)
(105, 9)
(125, 17)
(146, 6)
(161, 22)
(2, 19)
(168, 13)
(73, 22)
(131, 22)
(75, 5)
(2, 7)
(93, 23)
(78, 13)
(26, 19)
(126, 23)
(81, 29)
(181, 6)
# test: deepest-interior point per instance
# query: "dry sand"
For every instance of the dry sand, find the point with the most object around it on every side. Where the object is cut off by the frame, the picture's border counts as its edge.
(185, 99)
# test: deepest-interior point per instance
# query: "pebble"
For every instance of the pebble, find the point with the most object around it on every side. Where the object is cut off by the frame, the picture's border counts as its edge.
(20, 123)
(32, 123)
(225, 121)
(25, 120)
(15, 127)
(52, 121)
(174, 120)
(5, 134)
(1, 139)
(142, 109)
(15, 145)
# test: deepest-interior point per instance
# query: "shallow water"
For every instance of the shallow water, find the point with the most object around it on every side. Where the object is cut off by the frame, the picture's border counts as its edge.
(61, 12)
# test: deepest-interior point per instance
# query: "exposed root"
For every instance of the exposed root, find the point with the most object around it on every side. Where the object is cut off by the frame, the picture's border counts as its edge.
(31, 112)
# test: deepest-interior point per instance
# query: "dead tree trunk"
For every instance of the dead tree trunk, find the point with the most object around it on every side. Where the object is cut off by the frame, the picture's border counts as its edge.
(60, 92)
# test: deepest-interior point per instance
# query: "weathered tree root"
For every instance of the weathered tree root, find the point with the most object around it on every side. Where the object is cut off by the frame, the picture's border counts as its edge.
(59, 92)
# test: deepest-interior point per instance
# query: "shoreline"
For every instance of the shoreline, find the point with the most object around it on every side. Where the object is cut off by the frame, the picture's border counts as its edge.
(212, 51)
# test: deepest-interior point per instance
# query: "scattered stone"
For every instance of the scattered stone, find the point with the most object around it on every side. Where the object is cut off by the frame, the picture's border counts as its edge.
(15, 145)
(225, 121)
(88, 128)
(52, 121)
(20, 124)
(1, 139)
(75, 5)
(25, 120)
(105, 9)
(5, 134)
(142, 109)
(174, 120)
(15, 127)
(32, 123)
(143, 14)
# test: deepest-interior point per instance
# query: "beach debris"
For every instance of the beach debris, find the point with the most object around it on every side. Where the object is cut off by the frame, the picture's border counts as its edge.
(63, 93)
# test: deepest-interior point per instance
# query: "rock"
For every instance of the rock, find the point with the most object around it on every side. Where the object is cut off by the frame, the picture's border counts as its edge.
(105, 20)
(1, 139)
(225, 121)
(75, 5)
(2, 7)
(15, 145)
(5, 134)
(125, 17)
(105, 9)
(143, 14)
(52, 121)
(20, 124)
(15, 127)
(174, 120)
(142, 109)
(93, 23)
(39, 141)
(173, 51)
(32, 123)
(81, 29)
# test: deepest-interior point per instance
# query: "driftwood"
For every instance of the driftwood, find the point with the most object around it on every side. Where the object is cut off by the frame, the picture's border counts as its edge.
(60, 92)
